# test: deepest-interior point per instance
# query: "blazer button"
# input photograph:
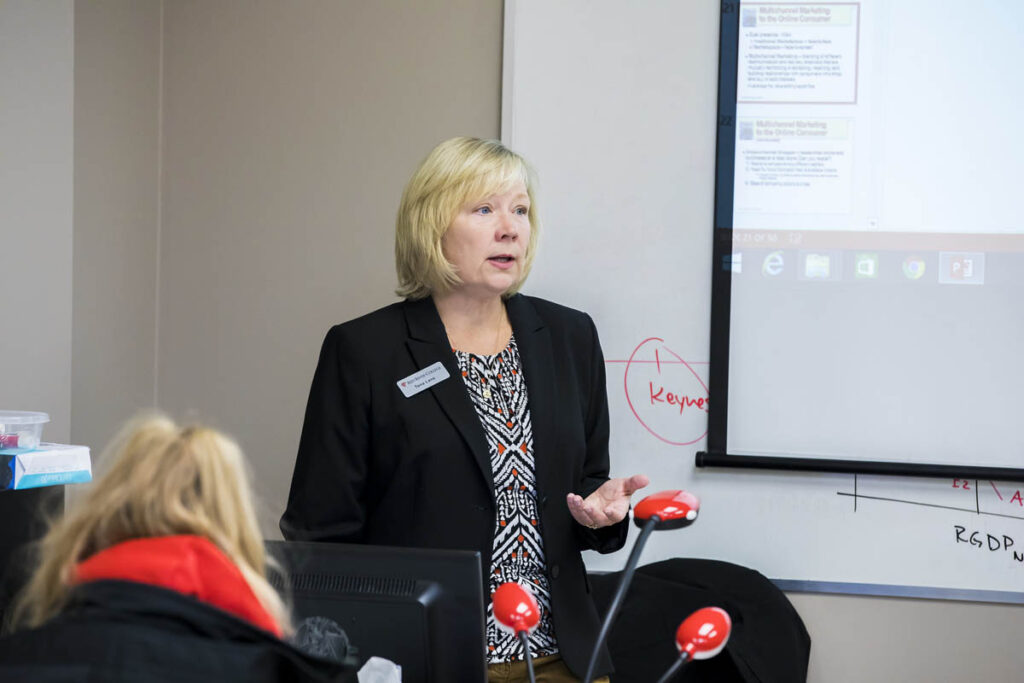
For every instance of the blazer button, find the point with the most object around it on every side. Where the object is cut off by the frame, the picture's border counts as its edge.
(554, 571)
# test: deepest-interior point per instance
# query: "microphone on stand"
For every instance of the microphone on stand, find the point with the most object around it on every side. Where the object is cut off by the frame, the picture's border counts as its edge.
(657, 512)
(702, 635)
(516, 611)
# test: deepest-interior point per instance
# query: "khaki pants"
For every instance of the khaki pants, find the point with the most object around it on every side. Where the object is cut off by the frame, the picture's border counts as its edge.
(550, 669)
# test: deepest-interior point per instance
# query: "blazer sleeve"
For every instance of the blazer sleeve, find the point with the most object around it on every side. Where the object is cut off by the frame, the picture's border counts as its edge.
(596, 464)
(325, 502)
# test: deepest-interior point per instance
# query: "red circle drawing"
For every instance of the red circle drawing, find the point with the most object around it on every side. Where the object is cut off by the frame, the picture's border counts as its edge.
(629, 400)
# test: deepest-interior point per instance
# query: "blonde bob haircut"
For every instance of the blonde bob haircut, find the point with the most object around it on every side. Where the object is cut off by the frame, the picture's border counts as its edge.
(458, 171)
(160, 480)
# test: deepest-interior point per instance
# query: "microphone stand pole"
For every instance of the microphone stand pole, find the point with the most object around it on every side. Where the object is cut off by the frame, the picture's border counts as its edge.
(674, 669)
(627, 578)
(529, 658)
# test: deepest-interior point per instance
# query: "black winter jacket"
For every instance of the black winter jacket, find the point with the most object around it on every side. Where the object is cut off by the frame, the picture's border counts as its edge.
(119, 631)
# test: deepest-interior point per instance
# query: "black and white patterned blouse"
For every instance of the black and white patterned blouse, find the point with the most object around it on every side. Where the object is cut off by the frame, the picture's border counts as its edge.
(496, 385)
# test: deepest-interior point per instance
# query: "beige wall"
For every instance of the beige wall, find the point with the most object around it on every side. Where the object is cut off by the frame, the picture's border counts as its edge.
(289, 131)
(36, 152)
(903, 640)
(117, 168)
(219, 246)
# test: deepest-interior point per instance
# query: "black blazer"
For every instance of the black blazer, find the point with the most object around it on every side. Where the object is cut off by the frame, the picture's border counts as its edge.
(376, 467)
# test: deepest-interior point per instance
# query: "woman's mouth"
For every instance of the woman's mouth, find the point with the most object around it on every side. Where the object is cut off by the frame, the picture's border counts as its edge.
(504, 261)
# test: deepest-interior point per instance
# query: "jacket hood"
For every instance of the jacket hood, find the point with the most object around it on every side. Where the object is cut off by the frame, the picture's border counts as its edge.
(190, 565)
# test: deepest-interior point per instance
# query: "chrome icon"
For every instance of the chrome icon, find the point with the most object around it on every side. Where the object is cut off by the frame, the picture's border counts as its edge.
(913, 267)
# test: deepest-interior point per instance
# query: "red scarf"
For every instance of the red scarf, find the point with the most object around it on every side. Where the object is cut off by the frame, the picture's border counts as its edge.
(190, 565)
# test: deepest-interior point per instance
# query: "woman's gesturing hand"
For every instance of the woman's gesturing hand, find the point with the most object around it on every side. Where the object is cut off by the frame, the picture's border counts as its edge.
(607, 505)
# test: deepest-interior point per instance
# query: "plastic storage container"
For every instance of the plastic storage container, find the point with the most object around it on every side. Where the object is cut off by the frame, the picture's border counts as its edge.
(21, 428)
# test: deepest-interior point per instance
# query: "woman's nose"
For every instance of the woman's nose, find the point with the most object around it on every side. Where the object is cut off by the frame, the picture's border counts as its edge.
(508, 228)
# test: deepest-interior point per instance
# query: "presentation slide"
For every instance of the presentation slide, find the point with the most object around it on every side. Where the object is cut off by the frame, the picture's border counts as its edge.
(878, 241)
(891, 117)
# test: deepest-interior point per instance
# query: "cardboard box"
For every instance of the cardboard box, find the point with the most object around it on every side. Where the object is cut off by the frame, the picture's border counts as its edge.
(49, 464)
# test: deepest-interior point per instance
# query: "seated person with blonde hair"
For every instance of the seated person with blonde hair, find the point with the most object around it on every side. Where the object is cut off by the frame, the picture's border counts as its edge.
(159, 574)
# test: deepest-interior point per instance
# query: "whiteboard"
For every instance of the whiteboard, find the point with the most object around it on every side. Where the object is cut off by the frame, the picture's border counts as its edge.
(614, 103)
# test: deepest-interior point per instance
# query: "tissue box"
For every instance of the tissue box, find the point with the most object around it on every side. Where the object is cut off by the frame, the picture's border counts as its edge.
(49, 464)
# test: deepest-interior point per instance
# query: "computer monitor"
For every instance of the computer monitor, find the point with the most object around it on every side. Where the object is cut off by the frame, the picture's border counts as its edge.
(422, 609)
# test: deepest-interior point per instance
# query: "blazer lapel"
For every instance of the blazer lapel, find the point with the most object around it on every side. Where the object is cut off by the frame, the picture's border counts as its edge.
(534, 342)
(428, 344)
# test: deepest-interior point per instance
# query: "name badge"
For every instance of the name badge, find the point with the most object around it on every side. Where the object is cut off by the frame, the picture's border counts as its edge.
(424, 379)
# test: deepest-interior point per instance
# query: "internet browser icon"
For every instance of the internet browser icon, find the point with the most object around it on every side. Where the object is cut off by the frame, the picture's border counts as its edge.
(913, 267)
(773, 265)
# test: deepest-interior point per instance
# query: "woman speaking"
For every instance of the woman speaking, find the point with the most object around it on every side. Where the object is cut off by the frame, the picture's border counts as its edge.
(469, 416)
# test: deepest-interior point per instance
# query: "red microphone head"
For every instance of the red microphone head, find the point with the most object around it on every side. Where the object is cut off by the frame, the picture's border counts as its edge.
(674, 509)
(515, 608)
(703, 634)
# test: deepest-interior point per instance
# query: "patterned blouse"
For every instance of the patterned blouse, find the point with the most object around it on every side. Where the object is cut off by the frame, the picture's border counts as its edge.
(498, 389)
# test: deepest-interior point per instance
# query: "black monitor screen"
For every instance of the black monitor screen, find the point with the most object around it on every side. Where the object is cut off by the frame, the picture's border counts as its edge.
(422, 609)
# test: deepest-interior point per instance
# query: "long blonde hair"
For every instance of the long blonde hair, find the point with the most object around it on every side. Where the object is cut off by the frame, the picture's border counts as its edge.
(160, 479)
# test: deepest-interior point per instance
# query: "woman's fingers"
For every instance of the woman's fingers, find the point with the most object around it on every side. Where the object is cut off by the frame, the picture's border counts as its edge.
(608, 504)
(614, 490)
(585, 512)
(635, 483)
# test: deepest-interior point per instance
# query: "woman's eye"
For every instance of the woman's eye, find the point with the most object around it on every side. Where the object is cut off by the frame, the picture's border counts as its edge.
(484, 210)
(522, 211)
